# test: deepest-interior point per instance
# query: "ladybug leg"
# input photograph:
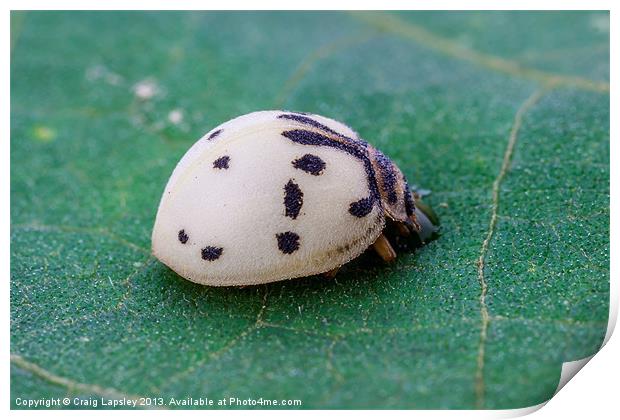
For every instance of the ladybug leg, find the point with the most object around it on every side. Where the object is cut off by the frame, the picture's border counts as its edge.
(412, 223)
(403, 230)
(331, 273)
(384, 249)
(426, 220)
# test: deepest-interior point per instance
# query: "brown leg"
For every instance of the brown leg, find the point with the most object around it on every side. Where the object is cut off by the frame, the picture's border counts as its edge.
(384, 249)
(416, 224)
(403, 230)
(331, 273)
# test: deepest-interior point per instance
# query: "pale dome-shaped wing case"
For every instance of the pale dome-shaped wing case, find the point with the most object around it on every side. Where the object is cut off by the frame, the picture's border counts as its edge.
(274, 195)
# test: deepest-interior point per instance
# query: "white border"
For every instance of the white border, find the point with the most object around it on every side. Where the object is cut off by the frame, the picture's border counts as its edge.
(594, 393)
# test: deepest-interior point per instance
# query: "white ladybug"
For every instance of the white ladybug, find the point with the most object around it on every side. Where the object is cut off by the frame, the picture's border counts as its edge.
(275, 195)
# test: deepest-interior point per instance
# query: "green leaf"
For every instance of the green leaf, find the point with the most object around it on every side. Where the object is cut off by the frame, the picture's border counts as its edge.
(504, 116)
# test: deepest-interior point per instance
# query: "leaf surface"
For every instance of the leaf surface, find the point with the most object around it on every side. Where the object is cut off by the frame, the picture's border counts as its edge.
(504, 116)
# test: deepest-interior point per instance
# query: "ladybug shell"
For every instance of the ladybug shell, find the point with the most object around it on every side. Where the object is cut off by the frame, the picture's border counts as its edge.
(268, 196)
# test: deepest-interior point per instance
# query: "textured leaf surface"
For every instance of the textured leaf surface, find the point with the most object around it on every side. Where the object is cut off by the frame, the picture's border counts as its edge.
(505, 116)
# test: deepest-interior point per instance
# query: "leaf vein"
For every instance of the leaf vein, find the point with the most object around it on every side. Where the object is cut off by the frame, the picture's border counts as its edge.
(484, 313)
(319, 54)
(450, 48)
(70, 384)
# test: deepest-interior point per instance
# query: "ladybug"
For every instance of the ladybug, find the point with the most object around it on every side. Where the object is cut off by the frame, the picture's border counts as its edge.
(275, 195)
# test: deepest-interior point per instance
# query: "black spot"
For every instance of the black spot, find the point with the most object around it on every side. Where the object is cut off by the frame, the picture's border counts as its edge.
(221, 163)
(309, 121)
(183, 236)
(288, 242)
(409, 205)
(211, 253)
(293, 199)
(361, 207)
(214, 134)
(388, 176)
(356, 148)
(310, 163)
